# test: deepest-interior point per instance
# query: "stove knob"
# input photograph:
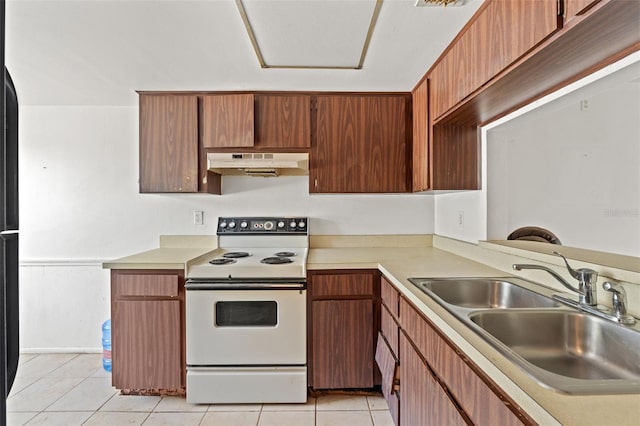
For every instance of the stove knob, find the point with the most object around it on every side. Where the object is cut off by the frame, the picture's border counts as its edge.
(301, 224)
(292, 224)
(281, 224)
(223, 225)
(243, 225)
(268, 226)
(232, 225)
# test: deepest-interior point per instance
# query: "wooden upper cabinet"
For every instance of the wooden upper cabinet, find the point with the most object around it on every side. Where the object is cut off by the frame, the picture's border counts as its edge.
(227, 121)
(420, 95)
(168, 143)
(283, 121)
(361, 144)
(499, 34)
(574, 8)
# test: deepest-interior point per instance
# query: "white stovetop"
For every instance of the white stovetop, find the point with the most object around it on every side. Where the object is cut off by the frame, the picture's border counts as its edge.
(251, 267)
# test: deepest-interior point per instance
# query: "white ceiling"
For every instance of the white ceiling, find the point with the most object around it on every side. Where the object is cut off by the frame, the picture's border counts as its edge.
(91, 52)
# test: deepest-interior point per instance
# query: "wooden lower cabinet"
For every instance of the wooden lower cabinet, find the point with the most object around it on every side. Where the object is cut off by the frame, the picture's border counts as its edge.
(424, 402)
(344, 315)
(146, 344)
(343, 355)
(147, 323)
(481, 401)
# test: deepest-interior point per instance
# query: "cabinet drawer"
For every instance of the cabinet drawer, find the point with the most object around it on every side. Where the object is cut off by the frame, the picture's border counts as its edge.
(450, 366)
(144, 285)
(390, 296)
(389, 329)
(389, 369)
(342, 285)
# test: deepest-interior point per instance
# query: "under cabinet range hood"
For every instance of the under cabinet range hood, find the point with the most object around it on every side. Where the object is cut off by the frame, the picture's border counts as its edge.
(264, 164)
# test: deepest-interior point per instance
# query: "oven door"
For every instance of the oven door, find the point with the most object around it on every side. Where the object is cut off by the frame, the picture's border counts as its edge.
(245, 327)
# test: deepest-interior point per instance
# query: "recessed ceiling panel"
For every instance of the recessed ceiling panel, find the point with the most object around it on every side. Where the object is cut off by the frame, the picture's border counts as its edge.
(310, 33)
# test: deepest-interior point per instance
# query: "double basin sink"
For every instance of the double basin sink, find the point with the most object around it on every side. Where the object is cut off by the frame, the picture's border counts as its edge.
(564, 349)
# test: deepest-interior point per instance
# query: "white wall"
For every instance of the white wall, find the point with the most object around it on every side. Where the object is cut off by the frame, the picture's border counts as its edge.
(572, 171)
(79, 206)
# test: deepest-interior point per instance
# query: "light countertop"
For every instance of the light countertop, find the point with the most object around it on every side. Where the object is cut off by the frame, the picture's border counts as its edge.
(402, 257)
(175, 252)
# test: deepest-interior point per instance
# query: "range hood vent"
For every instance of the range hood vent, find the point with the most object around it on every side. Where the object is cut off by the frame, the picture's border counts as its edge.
(261, 164)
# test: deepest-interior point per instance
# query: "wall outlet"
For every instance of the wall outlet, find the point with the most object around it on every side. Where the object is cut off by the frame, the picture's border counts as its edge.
(584, 105)
(460, 219)
(198, 218)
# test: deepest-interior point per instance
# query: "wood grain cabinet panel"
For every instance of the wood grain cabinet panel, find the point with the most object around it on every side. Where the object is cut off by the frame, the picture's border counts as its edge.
(146, 344)
(344, 311)
(282, 121)
(420, 156)
(423, 402)
(227, 121)
(389, 329)
(574, 8)
(342, 344)
(332, 285)
(145, 285)
(501, 32)
(388, 364)
(361, 144)
(168, 143)
(390, 297)
(478, 400)
(147, 329)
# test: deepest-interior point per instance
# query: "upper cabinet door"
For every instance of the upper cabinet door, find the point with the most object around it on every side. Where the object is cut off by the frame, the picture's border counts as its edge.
(361, 144)
(227, 121)
(502, 32)
(168, 143)
(283, 121)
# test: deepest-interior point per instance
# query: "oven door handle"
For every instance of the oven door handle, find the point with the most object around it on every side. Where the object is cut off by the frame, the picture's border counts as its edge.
(202, 285)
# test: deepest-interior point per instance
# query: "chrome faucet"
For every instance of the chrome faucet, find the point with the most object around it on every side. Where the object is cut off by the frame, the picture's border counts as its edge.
(586, 280)
(619, 302)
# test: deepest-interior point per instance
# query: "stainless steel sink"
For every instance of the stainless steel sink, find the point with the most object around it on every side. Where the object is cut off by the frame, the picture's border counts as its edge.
(561, 348)
(483, 293)
(584, 353)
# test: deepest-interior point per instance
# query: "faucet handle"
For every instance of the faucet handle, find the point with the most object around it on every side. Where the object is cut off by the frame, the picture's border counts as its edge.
(584, 275)
(619, 302)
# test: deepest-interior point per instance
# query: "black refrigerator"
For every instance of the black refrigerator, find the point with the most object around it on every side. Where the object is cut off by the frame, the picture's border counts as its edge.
(9, 345)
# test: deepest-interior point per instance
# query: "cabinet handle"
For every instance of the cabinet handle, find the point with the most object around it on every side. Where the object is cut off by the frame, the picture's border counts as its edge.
(315, 182)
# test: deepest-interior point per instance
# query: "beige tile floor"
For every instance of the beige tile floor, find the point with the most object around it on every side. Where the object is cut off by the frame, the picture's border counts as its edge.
(73, 389)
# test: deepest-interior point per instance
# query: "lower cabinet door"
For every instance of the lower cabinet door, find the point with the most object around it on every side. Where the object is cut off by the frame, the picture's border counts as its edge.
(423, 401)
(146, 348)
(342, 344)
(389, 369)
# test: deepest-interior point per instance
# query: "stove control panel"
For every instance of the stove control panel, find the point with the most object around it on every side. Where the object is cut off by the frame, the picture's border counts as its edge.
(263, 225)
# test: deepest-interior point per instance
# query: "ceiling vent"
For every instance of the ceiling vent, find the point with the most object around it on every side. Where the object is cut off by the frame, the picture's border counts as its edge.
(440, 3)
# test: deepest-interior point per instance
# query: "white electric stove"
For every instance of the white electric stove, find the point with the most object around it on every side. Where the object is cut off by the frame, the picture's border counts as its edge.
(246, 314)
